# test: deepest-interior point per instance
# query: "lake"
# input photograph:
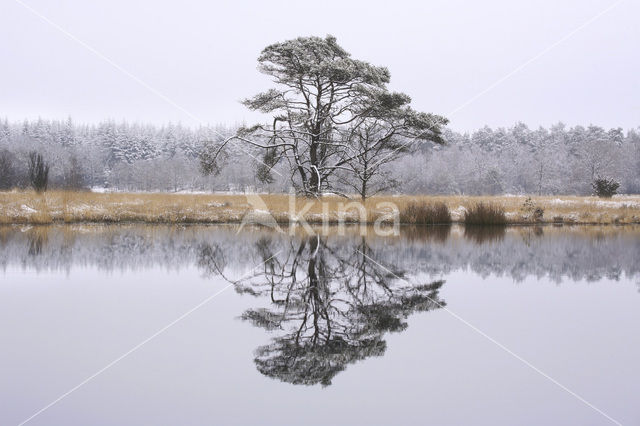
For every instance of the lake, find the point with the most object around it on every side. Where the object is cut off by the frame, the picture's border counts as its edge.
(165, 325)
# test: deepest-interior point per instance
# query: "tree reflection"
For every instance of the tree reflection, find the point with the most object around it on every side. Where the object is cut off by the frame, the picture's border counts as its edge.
(37, 238)
(330, 306)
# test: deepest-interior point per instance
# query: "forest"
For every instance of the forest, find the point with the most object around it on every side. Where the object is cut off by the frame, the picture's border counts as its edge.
(121, 156)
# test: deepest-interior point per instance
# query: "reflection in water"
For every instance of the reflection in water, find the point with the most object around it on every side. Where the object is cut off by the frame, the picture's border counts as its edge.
(310, 309)
(330, 307)
(437, 233)
(329, 300)
(576, 253)
(36, 240)
(211, 259)
(485, 234)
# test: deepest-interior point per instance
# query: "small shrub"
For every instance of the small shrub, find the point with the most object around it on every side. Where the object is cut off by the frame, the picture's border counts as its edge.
(425, 214)
(604, 187)
(485, 214)
(38, 172)
(531, 210)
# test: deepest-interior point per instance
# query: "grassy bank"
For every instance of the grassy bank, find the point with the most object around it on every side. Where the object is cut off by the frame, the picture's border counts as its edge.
(78, 207)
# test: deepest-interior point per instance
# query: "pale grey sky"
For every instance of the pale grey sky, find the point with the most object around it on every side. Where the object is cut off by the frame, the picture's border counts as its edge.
(202, 55)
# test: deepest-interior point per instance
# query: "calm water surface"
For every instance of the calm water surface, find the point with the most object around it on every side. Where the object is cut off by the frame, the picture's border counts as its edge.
(280, 329)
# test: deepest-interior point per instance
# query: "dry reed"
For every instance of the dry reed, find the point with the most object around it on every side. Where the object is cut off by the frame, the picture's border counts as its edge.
(422, 213)
(485, 214)
(88, 207)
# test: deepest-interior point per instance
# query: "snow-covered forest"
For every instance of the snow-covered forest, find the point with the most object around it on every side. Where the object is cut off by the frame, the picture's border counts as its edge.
(139, 157)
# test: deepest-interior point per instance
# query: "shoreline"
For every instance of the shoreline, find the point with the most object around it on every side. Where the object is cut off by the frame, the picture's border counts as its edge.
(75, 207)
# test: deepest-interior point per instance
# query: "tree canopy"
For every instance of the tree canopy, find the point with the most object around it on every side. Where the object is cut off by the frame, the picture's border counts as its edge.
(322, 102)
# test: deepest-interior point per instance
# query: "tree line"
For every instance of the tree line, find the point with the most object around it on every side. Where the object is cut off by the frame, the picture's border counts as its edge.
(136, 157)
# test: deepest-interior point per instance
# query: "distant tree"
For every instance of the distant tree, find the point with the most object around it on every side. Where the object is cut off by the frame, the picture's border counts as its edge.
(604, 187)
(630, 169)
(5, 131)
(8, 172)
(66, 135)
(597, 153)
(38, 172)
(543, 155)
(321, 96)
(73, 177)
(389, 130)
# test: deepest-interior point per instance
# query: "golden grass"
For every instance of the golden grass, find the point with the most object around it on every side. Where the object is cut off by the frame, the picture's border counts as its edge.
(484, 213)
(79, 207)
(425, 214)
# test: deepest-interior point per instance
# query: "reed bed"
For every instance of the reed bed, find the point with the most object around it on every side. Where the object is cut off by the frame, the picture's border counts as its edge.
(423, 213)
(485, 214)
(27, 207)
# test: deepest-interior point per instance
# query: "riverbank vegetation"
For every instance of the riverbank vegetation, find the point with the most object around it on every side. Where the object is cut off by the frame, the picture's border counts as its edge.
(30, 207)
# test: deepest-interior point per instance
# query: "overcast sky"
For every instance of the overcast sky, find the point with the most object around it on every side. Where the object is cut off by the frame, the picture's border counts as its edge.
(201, 55)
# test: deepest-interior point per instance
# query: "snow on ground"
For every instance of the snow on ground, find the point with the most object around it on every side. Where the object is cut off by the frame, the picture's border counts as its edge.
(28, 209)
(81, 208)
(216, 204)
(615, 203)
(103, 190)
(458, 213)
(559, 201)
(618, 204)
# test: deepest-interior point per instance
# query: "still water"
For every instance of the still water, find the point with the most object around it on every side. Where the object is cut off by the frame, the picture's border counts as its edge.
(158, 325)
